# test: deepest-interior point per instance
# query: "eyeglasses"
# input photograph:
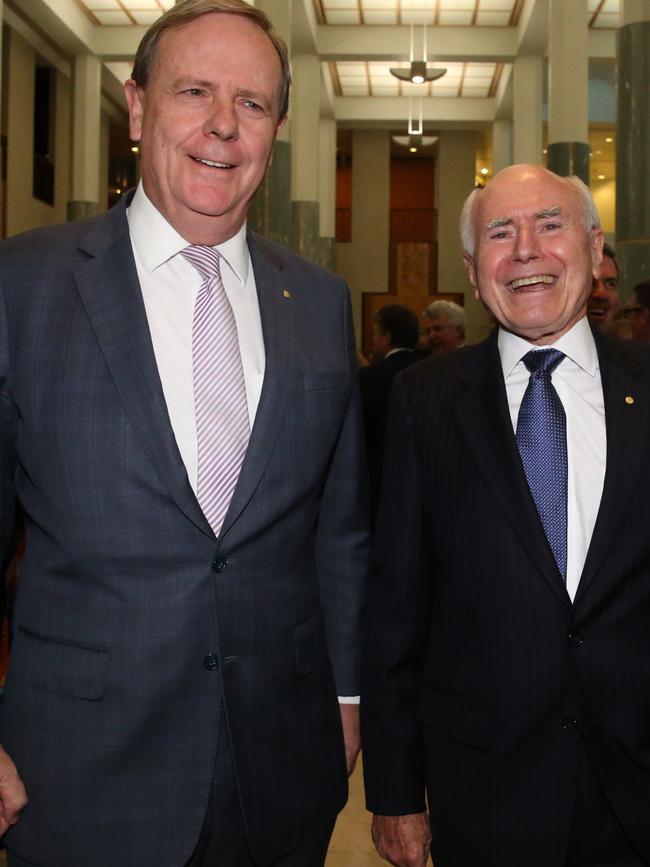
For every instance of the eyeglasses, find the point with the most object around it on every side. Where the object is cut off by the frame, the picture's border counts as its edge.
(626, 311)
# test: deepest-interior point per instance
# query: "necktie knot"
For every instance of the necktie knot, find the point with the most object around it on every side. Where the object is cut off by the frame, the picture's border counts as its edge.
(542, 360)
(205, 260)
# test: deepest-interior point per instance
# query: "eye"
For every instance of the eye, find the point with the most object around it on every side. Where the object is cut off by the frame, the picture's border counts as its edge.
(549, 227)
(497, 236)
(193, 91)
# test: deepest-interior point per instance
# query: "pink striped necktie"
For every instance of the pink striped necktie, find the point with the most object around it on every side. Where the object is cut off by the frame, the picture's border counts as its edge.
(222, 425)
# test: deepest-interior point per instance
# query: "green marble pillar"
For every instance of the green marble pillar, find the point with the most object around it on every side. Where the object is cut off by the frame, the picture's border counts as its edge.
(633, 156)
(270, 213)
(569, 158)
(81, 210)
(306, 239)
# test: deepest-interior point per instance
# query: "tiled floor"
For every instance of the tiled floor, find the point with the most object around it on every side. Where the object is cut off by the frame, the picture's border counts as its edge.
(351, 844)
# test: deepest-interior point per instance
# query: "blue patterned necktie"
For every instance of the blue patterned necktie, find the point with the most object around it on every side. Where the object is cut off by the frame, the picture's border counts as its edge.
(541, 437)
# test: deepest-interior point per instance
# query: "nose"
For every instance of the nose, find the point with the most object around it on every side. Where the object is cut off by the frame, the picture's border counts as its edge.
(526, 244)
(222, 121)
(597, 289)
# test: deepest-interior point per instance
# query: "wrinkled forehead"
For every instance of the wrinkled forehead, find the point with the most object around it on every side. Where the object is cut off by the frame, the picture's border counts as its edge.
(538, 197)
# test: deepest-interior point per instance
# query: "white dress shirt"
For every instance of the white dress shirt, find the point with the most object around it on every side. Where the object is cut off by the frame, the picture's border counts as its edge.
(169, 286)
(578, 384)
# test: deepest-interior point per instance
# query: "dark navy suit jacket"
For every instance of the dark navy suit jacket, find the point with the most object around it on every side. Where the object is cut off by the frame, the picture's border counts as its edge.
(482, 680)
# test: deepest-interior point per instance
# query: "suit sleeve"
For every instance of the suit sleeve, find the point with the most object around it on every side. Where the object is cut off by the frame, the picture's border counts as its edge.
(7, 452)
(396, 628)
(342, 539)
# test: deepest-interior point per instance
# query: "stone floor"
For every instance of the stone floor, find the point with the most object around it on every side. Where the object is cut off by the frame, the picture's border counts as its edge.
(351, 845)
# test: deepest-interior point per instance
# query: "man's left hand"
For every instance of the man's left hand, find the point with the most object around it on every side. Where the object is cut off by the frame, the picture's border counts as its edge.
(351, 733)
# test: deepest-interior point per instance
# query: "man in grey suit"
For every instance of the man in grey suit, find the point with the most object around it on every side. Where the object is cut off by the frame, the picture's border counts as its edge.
(177, 656)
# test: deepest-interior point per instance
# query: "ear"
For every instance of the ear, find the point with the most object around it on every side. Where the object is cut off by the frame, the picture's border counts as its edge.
(471, 273)
(597, 241)
(135, 101)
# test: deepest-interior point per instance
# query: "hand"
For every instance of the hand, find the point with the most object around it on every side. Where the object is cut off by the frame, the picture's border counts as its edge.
(13, 796)
(351, 733)
(403, 841)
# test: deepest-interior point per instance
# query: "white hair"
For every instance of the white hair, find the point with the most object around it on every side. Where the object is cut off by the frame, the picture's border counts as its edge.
(589, 211)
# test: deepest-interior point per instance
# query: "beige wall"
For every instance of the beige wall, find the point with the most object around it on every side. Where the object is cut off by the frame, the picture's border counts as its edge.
(455, 180)
(604, 193)
(23, 210)
(364, 261)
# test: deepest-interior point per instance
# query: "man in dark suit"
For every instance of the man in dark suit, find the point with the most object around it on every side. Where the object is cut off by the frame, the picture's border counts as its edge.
(195, 502)
(507, 671)
(395, 334)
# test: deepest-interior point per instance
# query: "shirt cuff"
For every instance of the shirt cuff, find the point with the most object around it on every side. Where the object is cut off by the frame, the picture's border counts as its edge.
(349, 699)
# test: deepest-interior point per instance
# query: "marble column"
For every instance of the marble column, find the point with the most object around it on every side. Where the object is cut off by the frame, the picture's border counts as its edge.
(305, 124)
(86, 127)
(501, 145)
(632, 148)
(327, 191)
(527, 110)
(270, 212)
(568, 75)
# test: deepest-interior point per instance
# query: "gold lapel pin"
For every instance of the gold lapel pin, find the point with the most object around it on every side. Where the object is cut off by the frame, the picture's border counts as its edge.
(629, 400)
(286, 293)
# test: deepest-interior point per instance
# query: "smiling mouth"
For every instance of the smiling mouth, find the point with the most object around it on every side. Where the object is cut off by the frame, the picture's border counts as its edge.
(533, 280)
(597, 310)
(211, 164)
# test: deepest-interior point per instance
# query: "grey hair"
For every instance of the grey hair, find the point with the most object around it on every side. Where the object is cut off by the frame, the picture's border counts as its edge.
(454, 312)
(589, 211)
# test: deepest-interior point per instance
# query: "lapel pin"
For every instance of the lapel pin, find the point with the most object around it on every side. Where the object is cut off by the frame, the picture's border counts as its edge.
(286, 293)
(629, 400)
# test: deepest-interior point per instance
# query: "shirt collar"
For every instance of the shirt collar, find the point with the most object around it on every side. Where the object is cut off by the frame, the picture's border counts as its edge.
(155, 241)
(577, 344)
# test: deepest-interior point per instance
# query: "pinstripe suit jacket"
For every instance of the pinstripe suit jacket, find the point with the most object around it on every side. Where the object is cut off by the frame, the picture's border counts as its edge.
(477, 661)
(110, 713)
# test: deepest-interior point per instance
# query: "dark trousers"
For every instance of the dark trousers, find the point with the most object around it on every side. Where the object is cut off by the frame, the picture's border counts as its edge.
(223, 841)
(597, 838)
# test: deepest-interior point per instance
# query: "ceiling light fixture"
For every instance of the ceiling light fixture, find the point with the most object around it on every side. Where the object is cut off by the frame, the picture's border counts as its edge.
(415, 138)
(418, 72)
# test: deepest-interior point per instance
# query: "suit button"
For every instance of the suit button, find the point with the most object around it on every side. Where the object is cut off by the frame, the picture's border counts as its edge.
(570, 726)
(575, 640)
(219, 564)
(211, 661)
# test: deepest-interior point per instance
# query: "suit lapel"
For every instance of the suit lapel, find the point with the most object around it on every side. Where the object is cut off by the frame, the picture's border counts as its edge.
(481, 409)
(108, 285)
(278, 326)
(627, 415)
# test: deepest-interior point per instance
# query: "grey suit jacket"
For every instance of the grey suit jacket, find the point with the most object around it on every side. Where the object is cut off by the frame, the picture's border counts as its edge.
(111, 710)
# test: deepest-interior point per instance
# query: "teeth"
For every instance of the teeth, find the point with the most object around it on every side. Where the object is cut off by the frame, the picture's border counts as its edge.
(529, 281)
(213, 165)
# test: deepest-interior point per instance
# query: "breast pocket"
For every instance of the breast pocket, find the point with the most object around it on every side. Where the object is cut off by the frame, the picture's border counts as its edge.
(58, 665)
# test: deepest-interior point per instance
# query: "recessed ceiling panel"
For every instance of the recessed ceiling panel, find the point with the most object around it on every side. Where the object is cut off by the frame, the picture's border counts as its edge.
(374, 79)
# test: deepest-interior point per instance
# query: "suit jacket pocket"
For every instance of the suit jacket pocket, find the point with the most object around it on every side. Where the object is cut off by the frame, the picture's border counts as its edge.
(58, 665)
(327, 379)
(311, 644)
(456, 717)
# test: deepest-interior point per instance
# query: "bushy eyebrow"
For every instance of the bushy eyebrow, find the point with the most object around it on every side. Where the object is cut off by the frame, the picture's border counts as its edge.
(498, 222)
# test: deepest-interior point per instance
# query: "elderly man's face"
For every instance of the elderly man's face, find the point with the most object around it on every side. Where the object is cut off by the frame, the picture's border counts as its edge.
(603, 301)
(534, 260)
(442, 334)
(206, 122)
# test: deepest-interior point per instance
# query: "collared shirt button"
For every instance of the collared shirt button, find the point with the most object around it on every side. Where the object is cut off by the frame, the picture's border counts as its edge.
(219, 564)
(570, 725)
(211, 661)
(575, 640)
